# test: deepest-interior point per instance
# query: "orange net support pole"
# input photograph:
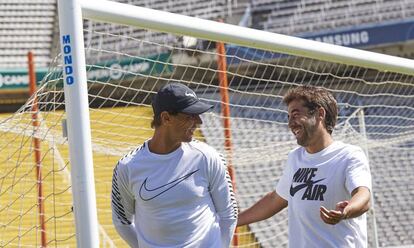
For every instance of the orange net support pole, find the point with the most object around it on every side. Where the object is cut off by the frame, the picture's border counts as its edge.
(36, 143)
(225, 111)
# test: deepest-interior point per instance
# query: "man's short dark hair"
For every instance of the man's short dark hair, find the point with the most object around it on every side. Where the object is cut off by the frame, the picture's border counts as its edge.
(315, 97)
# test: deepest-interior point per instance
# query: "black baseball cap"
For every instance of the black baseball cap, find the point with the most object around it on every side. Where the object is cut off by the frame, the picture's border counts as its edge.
(178, 98)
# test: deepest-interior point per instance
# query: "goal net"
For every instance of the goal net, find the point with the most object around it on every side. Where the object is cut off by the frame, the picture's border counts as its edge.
(126, 65)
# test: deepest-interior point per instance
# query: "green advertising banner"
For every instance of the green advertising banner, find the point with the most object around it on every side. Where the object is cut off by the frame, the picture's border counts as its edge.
(18, 79)
(116, 70)
(111, 70)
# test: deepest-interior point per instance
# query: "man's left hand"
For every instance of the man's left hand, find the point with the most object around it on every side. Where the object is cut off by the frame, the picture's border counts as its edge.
(333, 217)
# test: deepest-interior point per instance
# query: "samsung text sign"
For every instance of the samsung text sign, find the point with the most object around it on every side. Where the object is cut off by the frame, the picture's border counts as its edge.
(351, 39)
(67, 59)
(369, 35)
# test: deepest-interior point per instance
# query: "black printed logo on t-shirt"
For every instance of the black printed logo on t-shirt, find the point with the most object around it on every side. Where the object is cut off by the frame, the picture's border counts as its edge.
(303, 180)
(147, 194)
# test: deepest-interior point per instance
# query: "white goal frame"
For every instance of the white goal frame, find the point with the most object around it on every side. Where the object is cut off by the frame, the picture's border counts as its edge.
(71, 14)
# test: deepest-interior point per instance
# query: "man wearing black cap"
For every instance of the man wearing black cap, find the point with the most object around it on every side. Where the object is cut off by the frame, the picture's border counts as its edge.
(174, 191)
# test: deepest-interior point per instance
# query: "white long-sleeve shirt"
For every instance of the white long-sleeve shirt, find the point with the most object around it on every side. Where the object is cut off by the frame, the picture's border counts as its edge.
(180, 199)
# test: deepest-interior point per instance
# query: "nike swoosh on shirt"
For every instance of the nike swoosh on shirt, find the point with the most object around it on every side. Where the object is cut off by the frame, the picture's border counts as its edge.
(147, 194)
(295, 189)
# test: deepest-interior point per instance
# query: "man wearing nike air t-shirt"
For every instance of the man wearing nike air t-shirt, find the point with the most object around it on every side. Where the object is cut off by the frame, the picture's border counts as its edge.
(326, 184)
(173, 191)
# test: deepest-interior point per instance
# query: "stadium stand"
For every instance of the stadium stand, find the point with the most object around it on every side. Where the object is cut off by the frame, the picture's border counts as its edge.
(212, 10)
(295, 17)
(26, 25)
(32, 25)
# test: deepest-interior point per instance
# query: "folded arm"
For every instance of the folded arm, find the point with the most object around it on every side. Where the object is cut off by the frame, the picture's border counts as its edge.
(224, 200)
(123, 207)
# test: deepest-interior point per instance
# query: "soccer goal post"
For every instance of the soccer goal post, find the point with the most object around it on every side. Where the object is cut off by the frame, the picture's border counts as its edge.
(75, 76)
(114, 57)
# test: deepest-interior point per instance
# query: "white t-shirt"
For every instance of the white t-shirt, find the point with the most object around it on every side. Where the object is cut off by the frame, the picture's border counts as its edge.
(310, 181)
(180, 199)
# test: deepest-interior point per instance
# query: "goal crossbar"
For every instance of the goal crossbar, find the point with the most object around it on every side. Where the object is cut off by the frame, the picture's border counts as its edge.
(120, 13)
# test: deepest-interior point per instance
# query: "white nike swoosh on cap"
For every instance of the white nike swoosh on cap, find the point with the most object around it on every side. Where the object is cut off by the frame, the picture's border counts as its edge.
(190, 94)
